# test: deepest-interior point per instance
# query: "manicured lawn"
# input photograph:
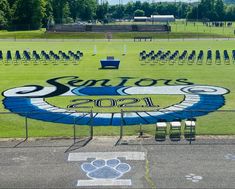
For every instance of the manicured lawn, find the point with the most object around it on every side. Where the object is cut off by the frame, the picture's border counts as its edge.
(11, 76)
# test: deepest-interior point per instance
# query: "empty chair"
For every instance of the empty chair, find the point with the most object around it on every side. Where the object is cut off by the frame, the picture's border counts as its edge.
(233, 55)
(190, 123)
(45, 56)
(60, 52)
(175, 127)
(226, 57)
(26, 56)
(1, 57)
(51, 53)
(191, 57)
(173, 57)
(161, 130)
(147, 58)
(217, 57)
(153, 58)
(183, 56)
(164, 56)
(65, 57)
(161, 126)
(158, 54)
(56, 59)
(209, 57)
(36, 56)
(140, 55)
(9, 57)
(200, 57)
(17, 56)
(190, 128)
(143, 58)
(70, 53)
(76, 57)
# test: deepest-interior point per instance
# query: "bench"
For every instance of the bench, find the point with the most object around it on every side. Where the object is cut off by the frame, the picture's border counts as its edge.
(142, 38)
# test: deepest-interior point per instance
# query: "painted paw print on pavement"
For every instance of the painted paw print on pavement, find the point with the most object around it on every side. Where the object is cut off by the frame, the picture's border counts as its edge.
(105, 169)
(194, 178)
(230, 157)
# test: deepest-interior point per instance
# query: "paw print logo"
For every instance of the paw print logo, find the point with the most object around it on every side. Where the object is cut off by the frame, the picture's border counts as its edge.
(194, 178)
(105, 169)
(230, 157)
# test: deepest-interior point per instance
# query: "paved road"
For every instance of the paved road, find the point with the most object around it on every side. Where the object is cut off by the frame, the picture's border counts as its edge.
(44, 164)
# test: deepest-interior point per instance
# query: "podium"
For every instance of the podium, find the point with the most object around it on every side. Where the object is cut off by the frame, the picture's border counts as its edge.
(110, 62)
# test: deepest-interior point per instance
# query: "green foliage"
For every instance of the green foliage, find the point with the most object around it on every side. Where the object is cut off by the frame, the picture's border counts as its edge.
(101, 11)
(86, 9)
(117, 11)
(230, 13)
(139, 12)
(58, 10)
(33, 14)
(28, 14)
(213, 10)
(220, 10)
(5, 13)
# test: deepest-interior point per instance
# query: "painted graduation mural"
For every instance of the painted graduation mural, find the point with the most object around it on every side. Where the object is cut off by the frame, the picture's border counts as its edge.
(32, 100)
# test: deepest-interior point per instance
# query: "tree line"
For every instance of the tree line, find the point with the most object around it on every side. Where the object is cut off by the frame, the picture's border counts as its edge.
(34, 14)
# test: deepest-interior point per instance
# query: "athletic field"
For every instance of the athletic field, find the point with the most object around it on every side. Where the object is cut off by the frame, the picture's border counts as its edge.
(88, 68)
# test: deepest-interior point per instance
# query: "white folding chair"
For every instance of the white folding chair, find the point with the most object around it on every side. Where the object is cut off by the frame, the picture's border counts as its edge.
(161, 126)
(175, 126)
(190, 124)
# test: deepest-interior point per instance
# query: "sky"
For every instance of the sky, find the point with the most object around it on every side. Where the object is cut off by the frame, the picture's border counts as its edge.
(125, 1)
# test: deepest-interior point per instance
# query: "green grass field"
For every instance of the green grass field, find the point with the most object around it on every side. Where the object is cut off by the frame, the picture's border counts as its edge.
(179, 30)
(218, 123)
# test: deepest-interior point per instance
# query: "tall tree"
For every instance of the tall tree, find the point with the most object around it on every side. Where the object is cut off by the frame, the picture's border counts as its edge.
(101, 11)
(58, 10)
(230, 13)
(220, 10)
(129, 9)
(73, 6)
(28, 14)
(11, 2)
(48, 18)
(5, 13)
(86, 9)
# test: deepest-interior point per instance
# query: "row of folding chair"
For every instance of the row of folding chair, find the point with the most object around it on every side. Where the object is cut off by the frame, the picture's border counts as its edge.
(175, 126)
(185, 57)
(43, 56)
